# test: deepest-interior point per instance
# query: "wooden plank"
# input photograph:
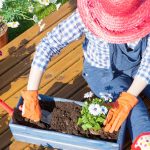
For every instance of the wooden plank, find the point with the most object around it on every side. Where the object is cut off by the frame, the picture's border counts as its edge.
(53, 72)
(4, 121)
(17, 145)
(79, 96)
(73, 86)
(62, 62)
(62, 79)
(24, 51)
(32, 32)
(16, 71)
(10, 89)
(5, 139)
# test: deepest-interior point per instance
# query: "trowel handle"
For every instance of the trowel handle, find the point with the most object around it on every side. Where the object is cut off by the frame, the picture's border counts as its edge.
(6, 107)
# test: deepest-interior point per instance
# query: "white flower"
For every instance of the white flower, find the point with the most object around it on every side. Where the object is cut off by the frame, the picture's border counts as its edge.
(13, 24)
(44, 2)
(31, 9)
(41, 25)
(1, 3)
(104, 110)
(94, 109)
(88, 94)
(35, 18)
(40, 22)
(58, 5)
(106, 96)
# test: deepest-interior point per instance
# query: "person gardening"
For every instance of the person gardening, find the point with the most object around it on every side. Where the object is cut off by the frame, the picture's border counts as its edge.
(116, 62)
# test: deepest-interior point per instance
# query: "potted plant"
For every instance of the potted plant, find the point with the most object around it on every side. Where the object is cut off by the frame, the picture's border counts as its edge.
(13, 12)
(10, 13)
(93, 113)
(68, 127)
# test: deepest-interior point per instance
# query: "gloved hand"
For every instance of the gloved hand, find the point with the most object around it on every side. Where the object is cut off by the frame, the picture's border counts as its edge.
(119, 111)
(31, 108)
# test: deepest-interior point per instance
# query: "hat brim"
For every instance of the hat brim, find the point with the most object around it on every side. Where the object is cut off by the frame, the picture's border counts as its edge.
(115, 29)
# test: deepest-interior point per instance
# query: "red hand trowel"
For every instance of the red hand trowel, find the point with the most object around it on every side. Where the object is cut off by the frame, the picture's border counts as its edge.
(46, 115)
(7, 108)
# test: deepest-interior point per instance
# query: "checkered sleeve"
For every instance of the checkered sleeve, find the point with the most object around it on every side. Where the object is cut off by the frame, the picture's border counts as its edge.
(64, 33)
(144, 69)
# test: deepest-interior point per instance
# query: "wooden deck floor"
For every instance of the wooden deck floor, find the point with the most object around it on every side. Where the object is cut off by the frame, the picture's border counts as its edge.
(61, 79)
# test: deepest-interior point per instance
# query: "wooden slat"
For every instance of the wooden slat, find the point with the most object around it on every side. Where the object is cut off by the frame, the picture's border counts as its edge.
(54, 71)
(5, 139)
(79, 96)
(62, 79)
(32, 32)
(17, 71)
(73, 86)
(16, 145)
(4, 121)
(10, 89)
(24, 51)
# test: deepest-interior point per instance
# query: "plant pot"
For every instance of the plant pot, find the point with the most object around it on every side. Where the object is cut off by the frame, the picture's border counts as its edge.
(3, 34)
(55, 139)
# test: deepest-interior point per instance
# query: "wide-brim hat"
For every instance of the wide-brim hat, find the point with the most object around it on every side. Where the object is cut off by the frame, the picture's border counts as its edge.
(116, 21)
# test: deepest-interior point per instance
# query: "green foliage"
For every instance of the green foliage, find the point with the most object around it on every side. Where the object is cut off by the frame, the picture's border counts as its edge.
(15, 10)
(39, 11)
(87, 120)
(42, 12)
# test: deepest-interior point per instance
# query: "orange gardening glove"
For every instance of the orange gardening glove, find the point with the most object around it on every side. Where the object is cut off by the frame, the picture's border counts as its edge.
(119, 111)
(31, 108)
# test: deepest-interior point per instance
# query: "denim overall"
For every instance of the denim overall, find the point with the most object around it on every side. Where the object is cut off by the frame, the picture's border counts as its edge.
(118, 78)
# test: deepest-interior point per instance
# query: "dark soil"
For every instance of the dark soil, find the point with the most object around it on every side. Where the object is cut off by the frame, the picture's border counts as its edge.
(64, 119)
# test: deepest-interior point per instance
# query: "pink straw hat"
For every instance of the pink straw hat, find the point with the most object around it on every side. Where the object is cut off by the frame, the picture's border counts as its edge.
(116, 21)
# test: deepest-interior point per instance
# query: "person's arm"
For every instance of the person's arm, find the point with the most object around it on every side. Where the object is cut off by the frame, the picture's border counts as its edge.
(64, 33)
(142, 77)
(127, 100)
(137, 86)
(34, 78)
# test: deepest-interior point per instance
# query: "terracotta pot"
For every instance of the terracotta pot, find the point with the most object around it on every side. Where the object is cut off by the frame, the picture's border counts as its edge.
(3, 35)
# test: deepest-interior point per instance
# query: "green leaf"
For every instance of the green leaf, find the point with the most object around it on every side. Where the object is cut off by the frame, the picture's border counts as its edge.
(88, 125)
(79, 121)
(100, 119)
(89, 116)
(103, 116)
(84, 127)
(92, 121)
(84, 119)
(96, 127)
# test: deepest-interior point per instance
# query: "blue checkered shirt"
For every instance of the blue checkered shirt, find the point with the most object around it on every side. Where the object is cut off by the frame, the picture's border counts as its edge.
(96, 51)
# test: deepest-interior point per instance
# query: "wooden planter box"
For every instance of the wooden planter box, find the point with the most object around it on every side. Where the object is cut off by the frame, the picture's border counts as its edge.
(55, 139)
